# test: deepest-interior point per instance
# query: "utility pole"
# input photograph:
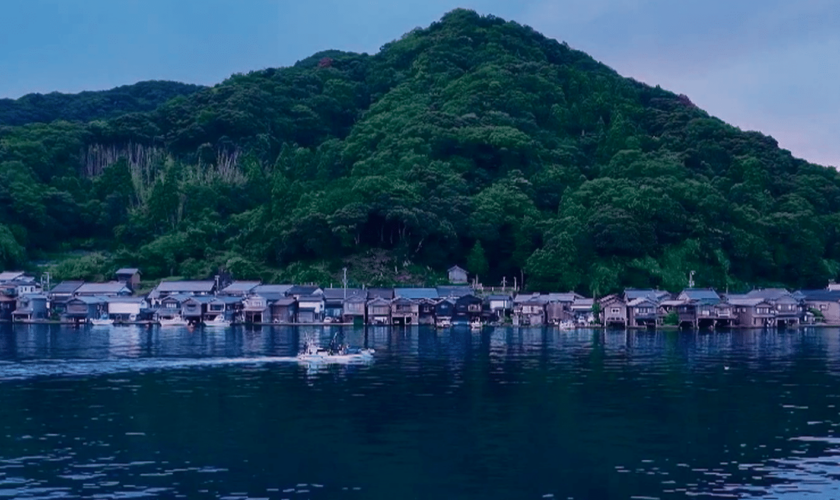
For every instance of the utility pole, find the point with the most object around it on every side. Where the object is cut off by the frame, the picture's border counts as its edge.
(344, 281)
(514, 283)
(691, 279)
(504, 282)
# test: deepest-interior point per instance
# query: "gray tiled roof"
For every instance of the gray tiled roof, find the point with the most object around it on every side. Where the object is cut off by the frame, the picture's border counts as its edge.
(338, 293)
(95, 288)
(186, 286)
(416, 293)
(770, 293)
(821, 295)
(241, 287)
(281, 289)
(67, 287)
(700, 294)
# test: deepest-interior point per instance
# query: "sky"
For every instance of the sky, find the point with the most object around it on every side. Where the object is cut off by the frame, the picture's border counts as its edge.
(766, 65)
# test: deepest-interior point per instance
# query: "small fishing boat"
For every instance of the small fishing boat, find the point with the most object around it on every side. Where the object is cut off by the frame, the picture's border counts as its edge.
(311, 353)
(475, 324)
(443, 323)
(218, 321)
(567, 325)
(103, 320)
(173, 321)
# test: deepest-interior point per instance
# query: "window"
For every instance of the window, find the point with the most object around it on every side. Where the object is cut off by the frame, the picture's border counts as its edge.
(615, 310)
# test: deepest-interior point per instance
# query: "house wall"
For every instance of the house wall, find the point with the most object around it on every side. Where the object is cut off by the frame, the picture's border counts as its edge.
(615, 312)
(829, 310)
(354, 309)
(124, 308)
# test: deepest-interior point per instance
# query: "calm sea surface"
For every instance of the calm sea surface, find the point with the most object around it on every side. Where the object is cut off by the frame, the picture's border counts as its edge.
(131, 412)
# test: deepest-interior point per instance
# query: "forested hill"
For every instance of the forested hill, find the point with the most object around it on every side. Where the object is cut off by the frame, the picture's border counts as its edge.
(474, 141)
(87, 106)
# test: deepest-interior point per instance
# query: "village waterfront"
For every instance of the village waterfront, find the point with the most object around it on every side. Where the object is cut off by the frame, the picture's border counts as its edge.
(508, 412)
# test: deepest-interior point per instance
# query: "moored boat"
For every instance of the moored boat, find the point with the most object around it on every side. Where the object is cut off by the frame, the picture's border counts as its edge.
(218, 321)
(103, 320)
(475, 324)
(173, 321)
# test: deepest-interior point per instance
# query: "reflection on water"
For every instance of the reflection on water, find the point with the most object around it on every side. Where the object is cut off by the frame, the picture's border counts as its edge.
(509, 413)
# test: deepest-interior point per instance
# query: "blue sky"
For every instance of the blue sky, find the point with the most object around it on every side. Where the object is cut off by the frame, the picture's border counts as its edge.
(768, 65)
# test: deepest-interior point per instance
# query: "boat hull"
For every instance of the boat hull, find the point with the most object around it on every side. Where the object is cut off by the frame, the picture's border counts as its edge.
(360, 357)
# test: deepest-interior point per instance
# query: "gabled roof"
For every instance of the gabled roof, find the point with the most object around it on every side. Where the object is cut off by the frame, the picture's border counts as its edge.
(700, 294)
(456, 268)
(271, 289)
(124, 300)
(402, 301)
(285, 301)
(642, 300)
(67, 287)
(744, 300)
(672, 303)
(416, 293)
(302, 290)
(385, 293)
(655, 295)
(201, 299)
(454, 291)
(89, 299)
(186, 286)
(357, 298)
(128, 270)
(338, 293)
(10, 275)
(611, 298)
(562, 297)
(227, 300)
(524, 297)
(110, 287)
(269, 296)
(583, 304)
(178, 297)
(378, 301)
(241, 287)
(821, 295)
(770, 293)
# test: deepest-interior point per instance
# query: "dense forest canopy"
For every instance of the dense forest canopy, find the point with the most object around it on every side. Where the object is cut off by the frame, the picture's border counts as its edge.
(91, 105)
(475, 141)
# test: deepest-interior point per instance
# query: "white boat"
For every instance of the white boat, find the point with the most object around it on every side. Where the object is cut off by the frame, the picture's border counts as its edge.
(444, 323)
(102, 321)
(567, 325)
(475, 324)
(218, 321)
(174, 321)
(311, 353)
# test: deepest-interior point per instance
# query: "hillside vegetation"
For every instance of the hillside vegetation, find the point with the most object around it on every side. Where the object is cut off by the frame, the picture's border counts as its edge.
(91, 105)
(475, 141)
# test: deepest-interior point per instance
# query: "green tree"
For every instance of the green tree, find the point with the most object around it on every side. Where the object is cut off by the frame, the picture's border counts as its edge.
(477, 260)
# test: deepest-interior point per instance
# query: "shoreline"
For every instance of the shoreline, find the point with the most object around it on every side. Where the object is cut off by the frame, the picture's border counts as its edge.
(667, 328)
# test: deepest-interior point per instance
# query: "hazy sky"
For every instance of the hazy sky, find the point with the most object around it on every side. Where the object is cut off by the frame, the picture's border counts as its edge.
(768, 65)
